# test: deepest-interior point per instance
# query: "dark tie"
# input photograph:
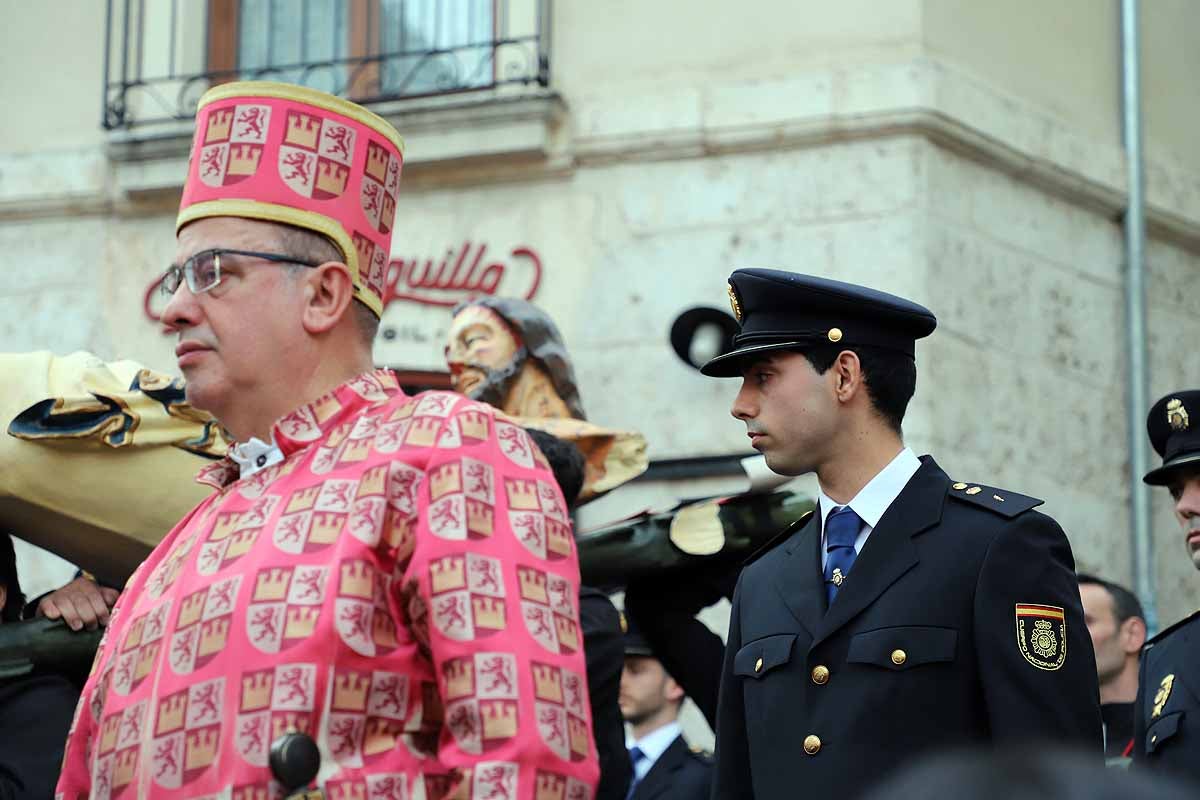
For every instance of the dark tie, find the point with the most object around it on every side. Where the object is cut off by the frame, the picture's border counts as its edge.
(841, 529)
(635, 757)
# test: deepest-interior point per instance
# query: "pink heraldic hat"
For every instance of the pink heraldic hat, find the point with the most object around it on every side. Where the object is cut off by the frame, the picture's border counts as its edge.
(285, 153)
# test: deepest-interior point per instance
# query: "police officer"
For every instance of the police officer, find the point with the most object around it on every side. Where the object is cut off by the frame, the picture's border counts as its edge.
(910, 611)
(1167, 712)
(664, 766)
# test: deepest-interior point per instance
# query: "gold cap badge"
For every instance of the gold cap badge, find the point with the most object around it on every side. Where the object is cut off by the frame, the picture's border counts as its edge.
(733, 302)
(1177, 415)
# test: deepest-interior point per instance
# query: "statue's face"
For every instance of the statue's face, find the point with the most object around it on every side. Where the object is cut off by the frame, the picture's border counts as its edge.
(481, 347)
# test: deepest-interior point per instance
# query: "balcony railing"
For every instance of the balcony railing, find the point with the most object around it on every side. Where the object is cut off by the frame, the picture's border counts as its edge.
(162, 55)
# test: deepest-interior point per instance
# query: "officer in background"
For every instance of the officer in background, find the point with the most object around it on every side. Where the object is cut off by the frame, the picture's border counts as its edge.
(911, 611)
(1167, 715)
(663, 764)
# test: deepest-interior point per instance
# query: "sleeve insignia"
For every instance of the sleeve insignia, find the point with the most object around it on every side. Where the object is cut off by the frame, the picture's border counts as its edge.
(1042, 635)
(1160, 697)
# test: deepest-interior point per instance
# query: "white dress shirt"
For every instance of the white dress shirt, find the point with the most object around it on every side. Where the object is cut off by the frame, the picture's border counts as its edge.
(873, 499)
(653, 745)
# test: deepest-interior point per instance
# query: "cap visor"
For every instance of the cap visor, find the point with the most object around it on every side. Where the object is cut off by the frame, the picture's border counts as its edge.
(1166, 473)
(731, 364)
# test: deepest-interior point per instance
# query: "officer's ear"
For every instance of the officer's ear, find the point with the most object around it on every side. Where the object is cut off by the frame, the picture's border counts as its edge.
(847, 376)
(1133, 635)
(672, 691)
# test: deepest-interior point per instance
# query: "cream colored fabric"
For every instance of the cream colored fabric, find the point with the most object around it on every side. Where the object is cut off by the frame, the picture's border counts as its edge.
(91, 469)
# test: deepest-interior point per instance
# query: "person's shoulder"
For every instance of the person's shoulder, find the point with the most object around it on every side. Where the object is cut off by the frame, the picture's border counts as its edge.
(994, 500)
(437, 403)
(445, 419)
(698, 755)
(1188, 625)
(766, 556)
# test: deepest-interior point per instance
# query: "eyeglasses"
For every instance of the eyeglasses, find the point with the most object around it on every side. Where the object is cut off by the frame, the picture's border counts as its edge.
(203, 270)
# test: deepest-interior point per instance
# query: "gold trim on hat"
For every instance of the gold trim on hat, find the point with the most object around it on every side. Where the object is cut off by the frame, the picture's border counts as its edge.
(302, 94)
(309, 220)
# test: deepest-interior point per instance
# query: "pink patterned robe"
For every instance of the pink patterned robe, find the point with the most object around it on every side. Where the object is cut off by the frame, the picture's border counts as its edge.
(403, 587)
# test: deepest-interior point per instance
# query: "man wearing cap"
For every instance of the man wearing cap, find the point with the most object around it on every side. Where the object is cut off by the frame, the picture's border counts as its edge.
(911, 611)
(1167, 711)
(663, 763)
(379, 597)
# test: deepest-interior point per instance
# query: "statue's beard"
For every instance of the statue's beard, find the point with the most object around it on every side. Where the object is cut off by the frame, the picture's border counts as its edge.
(497, 382)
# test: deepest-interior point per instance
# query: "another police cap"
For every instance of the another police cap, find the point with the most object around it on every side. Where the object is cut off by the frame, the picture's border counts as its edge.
(788, 311)
(635, 642)
(1174, 428)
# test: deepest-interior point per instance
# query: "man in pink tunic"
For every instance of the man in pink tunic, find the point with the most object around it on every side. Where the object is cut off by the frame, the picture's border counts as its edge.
(392, 577)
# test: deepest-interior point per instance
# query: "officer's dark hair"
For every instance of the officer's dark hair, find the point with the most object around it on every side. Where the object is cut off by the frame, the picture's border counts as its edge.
(14, 600)
(1125, 602)
(566, 461)
(890, 376)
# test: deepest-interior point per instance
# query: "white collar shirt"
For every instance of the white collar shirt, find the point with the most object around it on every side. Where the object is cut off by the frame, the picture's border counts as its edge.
(253, 455)
(653, 745)
(873, 499)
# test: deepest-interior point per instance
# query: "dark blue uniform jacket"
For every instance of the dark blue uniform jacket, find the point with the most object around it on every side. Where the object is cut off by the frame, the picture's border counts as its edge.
(959, 622)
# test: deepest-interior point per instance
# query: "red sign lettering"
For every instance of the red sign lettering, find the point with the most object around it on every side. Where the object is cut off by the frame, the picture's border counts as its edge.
(463, 274)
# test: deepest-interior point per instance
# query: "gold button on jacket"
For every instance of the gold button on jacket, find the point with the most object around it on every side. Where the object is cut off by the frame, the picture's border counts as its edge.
(820, 674)
(812, 744)
(899, 657)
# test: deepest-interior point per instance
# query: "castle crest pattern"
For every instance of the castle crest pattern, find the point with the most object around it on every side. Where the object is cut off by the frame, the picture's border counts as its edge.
(402, 587)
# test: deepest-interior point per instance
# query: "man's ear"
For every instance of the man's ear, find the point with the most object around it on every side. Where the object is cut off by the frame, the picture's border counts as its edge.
(328, 292)
(847, 376)
(1133, 634)
(3, 595)
(673, 691)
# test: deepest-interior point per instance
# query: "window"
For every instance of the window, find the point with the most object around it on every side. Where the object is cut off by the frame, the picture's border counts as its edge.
(156, 65)
(368, 48)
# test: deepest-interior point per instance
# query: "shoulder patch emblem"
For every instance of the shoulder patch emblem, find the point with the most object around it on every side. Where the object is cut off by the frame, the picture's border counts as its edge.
(1042, 635)
(1160, 697)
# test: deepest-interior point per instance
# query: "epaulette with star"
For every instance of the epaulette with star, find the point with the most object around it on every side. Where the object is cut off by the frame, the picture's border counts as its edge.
(1172, 628)
(1001, 501)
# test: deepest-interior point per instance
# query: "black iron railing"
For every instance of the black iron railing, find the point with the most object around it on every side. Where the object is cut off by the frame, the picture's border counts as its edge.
(162, 55)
